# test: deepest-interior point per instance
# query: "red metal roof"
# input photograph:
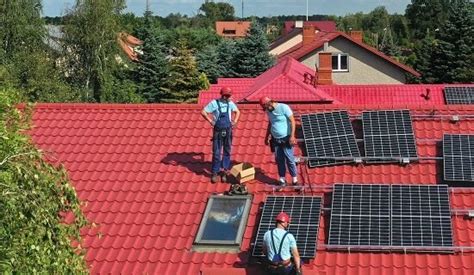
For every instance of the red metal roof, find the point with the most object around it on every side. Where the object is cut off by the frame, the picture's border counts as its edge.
(143, 173)
(283, 82)
(232, 29)
(301, 50)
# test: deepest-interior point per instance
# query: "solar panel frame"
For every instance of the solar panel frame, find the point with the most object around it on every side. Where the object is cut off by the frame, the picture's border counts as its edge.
(305, 214)
(389, 135)
(458, 157)
(405, 217)
(459, 95)
(329, 134)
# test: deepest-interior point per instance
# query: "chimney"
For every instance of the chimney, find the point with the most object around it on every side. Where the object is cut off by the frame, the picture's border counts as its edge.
(324, 70)
(356, 35)
(308, 34)
(298, 24)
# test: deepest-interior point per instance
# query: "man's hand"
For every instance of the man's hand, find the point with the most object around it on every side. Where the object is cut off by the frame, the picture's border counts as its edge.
(234, 123)
(293, 140)
(299, 271)
(267, 140)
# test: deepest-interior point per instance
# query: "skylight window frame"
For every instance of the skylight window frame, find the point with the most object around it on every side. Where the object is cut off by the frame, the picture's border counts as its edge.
(339, 58)
(240, 231)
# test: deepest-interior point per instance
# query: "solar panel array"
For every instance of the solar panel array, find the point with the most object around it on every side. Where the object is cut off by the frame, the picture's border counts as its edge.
(329, 134)
(304, 212)
(458, 157)
(459, 95)
(390, 216)
(388, 135)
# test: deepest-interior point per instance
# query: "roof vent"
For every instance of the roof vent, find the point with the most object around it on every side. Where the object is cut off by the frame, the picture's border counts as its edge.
(470, 214)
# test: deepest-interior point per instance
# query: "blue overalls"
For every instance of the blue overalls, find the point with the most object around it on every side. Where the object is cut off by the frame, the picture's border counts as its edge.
(221, 138)
(277, 266)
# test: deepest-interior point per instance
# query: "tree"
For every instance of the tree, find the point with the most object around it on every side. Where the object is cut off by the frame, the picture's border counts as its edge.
(425, 17)
(453, 55)
(24, 53)
(184, 81)
(21, 27)
(153, 69)
(91, 40)
(34, 199)
(219, 11)
(226, 56)
(253, 57)
(208, 62)
(424, 62)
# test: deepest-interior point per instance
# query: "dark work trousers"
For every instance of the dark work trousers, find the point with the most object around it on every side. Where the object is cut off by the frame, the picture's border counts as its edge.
(221, 148)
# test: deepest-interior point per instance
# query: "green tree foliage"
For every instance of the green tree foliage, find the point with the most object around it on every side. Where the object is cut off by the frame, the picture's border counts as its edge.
(219, 11)
(252, 57)
(208, 63)
(453, 55)
(184, 81)
(152, 70)
(24, 53)
(226, 56)
(93, 55)
(34, 198)
(424, 16)
(424, 62)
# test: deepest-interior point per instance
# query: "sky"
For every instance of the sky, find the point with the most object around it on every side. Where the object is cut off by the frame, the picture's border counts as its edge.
(251, 7)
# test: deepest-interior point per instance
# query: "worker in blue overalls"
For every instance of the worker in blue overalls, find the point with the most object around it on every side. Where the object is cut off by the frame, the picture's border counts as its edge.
(222, 110)
(278, 246)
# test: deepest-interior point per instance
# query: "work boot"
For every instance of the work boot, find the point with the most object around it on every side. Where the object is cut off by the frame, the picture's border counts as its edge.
(224, 176)
(214, 178)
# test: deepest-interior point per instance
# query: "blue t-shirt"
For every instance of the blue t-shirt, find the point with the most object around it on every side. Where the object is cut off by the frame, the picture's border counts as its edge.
(280, 120)
(288, 243)
(211, 107)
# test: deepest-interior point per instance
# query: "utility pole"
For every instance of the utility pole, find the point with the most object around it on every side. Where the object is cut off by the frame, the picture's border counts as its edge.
(147, 5)
(242, 9)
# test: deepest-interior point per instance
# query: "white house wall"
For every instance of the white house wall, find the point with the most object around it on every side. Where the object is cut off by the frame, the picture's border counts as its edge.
(364, 66)
(287, 45)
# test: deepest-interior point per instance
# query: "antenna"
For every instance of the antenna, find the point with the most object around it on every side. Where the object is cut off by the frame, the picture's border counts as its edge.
(307, 10)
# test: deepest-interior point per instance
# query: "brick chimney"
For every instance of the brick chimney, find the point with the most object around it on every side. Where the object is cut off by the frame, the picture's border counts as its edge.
(308, 34)
(356, 35)
(324, 71)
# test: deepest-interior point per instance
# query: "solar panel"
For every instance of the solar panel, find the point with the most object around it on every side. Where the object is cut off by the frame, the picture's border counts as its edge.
(304, 212)
(360, 215)
(421, 216)
(459, 95)
(388, 134)
(458, 157)
(329, 134)
(390, 217)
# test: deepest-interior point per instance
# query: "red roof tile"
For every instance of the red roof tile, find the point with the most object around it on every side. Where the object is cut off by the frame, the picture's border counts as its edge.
(301, 50)
(232, 29)
(144, 172)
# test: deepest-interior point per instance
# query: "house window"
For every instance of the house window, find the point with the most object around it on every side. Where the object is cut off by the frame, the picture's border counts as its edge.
(230, 32)
(224, 220)
(340, 62)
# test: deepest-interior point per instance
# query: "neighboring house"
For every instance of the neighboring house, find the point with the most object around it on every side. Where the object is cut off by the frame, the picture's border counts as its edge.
(353, 62)
(232, 29)
(292, 34)
(292, 82)
(142, 173)
(325, 26)
(130, 45)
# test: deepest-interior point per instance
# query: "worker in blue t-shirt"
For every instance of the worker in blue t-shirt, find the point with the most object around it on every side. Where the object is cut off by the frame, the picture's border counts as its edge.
(221, 120)
(278, 246)
(281, 137)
